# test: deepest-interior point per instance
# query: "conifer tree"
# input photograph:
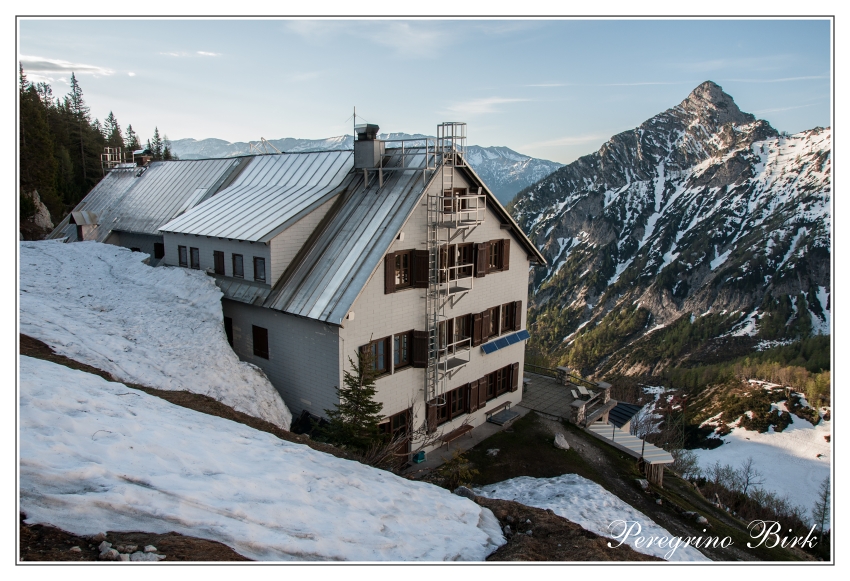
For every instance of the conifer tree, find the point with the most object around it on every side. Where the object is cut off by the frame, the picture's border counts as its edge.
(78, 109)
(166, 149)
(132, 140)
(112, 131)
(155, 145)
(820, 512)
(355, 420)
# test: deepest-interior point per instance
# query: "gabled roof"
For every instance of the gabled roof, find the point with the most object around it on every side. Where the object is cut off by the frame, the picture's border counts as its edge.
(327, 279)
(123, 201)
(269, 195)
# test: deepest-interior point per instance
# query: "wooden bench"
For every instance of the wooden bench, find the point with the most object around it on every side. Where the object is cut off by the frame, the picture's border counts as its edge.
(455, 434)
(497, 409)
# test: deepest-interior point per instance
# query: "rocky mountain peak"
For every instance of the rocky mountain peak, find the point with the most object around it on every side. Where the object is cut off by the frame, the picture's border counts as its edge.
(709, 99)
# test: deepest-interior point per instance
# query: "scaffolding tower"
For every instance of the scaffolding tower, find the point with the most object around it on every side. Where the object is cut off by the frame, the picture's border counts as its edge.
(453, 213)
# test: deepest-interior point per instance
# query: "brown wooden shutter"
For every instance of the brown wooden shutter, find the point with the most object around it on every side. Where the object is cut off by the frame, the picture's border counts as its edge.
(506, 254)
(482, 259)
(420, 268)
(485, 325)
(517, 315)
(477, 329)
(431, 415)
(473, 396)
(389, 273)
(420, 348)
(515, 377)
(482, 392)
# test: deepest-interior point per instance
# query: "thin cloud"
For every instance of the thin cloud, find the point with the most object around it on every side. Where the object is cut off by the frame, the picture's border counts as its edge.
(567, 140)
(300, 77)
(40, 69)
(779, 109)
(782, 80)
(548, 85)
(481, 106)
(399, 38)
(184, 54)
(131, 74)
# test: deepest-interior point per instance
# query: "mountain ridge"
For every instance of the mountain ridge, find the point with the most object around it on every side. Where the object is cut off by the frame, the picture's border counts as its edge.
(693, 212)
(504, 170)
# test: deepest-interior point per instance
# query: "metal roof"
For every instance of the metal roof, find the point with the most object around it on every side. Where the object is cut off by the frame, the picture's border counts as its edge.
(162, 191)
(337, 266)
(269, 195)
(621, 413)
(82, 218)
(244, 291)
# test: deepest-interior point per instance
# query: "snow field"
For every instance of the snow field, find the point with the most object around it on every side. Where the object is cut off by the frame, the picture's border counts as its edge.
(159, 327)
(97, 456)
(586, 503)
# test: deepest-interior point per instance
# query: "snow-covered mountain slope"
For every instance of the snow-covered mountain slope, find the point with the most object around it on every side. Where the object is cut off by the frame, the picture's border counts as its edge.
(157, 327)
(505, 171)
(98, 456)
(701, 209)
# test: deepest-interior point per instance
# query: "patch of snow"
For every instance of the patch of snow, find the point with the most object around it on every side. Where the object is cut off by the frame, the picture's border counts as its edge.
(586, 503)
(720, 259)
(789, 460)
(158, 327)
(97, 455)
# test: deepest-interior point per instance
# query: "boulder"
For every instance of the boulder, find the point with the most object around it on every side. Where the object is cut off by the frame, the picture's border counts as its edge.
(460, 491)
(561, 442)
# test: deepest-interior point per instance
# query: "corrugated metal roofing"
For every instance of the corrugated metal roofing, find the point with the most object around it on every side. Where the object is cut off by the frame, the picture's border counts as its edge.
(83, 218)
(142, 204)
(242, 290)
(622, 413)
(325, 284)
(272, 193)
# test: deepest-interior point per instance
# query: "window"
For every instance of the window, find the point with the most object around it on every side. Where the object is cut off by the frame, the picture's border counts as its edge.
(403, 268)
(158, 250)
(259, 269)
(463, 331)
(499, 381)
(238, 272)
(380, 355)
(465, 260)
(395, 425)
(495, 262)
(195, 256)
(445, 336)
(228, 329)
(402, 349)
(454, 406)
(218, 261)
(182, 257)
(493, 329)
(508, 317)
(135, 249)
(261, 341)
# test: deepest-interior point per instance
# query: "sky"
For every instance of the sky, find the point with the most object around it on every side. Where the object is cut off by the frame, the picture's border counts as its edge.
(553, 89)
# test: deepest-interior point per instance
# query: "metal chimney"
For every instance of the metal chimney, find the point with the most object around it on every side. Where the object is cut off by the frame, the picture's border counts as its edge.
(368, 149)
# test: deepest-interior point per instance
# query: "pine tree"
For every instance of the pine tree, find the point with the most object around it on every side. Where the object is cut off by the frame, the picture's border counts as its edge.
(37, 163)
(74, 102)
(131, 142)
(820, 512)
(155, 145)
(355, 420)
(166, 149)
(112, 131)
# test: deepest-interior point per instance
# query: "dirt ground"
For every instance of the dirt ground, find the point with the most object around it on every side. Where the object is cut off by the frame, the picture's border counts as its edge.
(47, 543)
(552, 538)
(527, 450)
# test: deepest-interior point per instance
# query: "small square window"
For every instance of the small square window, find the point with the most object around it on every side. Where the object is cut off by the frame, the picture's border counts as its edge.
(259, 269)
(195, 255)
(182, 256)
(403, 270)
(238, 271)
(158, 250)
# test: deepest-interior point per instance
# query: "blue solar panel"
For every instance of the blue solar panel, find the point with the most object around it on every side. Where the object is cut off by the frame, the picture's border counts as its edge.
(523, 335)
(489, 348)
(501, 343)
(513, 338)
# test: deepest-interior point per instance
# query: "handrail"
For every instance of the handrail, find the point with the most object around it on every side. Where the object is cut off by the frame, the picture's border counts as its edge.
(531, 368)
